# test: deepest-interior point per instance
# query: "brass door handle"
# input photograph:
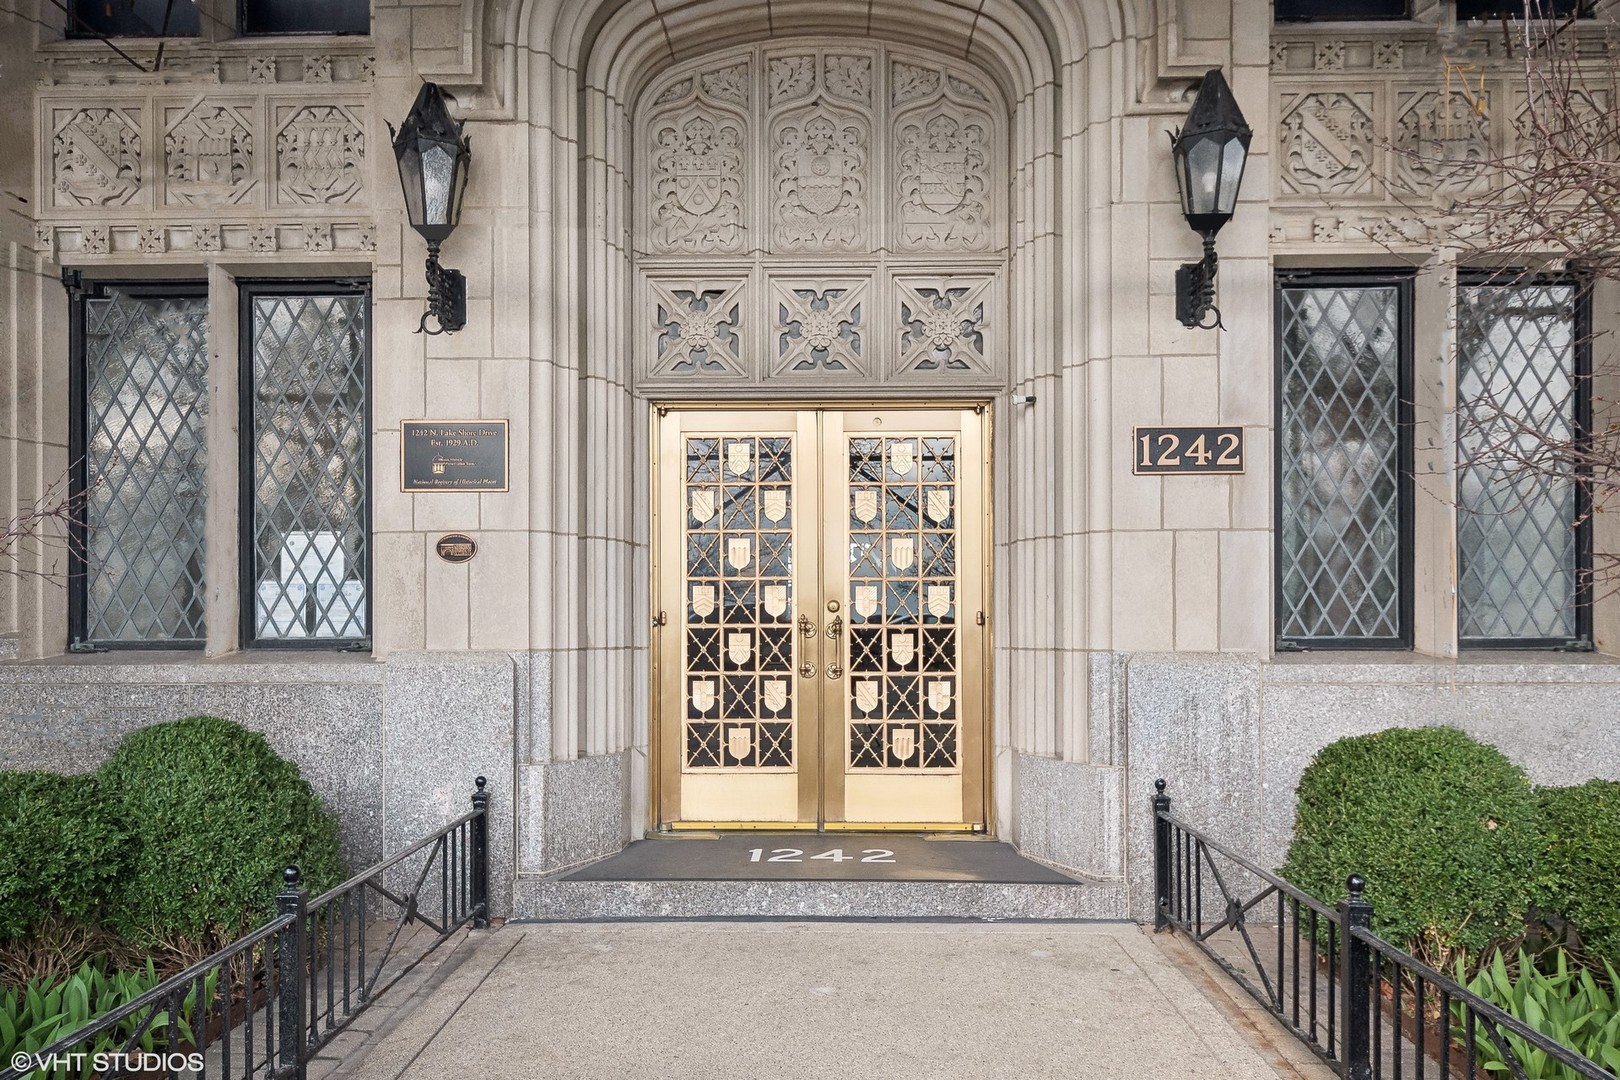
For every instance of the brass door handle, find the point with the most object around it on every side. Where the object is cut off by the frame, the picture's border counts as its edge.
(807, 670)
(834, 671)
(806, 627)
(836, 627)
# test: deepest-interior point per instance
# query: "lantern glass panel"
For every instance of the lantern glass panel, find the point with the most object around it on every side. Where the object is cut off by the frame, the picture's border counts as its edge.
(1231, 175)
(438, 173)
(410, 177)
(1203, 176)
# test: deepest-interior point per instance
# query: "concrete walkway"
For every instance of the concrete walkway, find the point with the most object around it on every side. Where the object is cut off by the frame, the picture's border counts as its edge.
(717, 1000)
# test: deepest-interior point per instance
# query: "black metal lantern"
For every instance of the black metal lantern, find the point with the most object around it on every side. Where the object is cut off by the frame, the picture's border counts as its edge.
(433, 156)
(1210, 153)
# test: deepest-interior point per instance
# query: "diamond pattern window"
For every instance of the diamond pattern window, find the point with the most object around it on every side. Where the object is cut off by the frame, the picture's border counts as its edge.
(305, 513)
(140, 405)
(1343, 462)
(1522, 544)
(305, 16)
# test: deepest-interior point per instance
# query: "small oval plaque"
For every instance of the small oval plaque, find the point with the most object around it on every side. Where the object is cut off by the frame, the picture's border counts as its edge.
(457, 547)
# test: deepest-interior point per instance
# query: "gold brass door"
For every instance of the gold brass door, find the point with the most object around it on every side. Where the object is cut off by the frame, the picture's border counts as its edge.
(820, 641)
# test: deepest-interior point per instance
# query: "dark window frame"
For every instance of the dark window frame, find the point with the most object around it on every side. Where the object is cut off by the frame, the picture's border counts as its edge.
(247, 26)
(1582, 425)
(81, 290)
(247, 289)
(1557, 9)
(82, 27)
(1402, 282)
(1314, 11)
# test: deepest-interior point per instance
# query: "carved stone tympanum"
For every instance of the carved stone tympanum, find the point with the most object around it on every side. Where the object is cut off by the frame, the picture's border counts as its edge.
(791, 194)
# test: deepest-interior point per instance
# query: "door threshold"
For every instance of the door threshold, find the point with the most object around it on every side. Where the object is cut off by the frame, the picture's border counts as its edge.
(712, 830)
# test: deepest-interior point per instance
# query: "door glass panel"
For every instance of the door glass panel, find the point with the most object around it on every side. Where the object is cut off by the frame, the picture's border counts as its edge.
(737, 660)
(904, 656)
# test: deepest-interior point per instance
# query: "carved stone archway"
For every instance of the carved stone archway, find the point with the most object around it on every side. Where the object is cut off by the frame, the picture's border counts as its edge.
(1048, 76)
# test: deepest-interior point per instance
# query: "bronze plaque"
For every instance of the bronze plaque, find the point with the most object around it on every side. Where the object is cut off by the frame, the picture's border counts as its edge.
(456, 547)
(453, 455)
(1207, 450)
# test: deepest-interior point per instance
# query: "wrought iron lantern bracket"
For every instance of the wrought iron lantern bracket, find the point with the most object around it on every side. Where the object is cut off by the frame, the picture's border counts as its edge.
(447, 296)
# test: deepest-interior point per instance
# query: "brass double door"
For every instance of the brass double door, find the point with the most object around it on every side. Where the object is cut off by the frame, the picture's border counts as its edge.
(821, 642)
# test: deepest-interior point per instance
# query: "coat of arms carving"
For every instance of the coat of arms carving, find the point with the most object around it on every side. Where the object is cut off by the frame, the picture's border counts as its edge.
(820, 181)
(96, 158)
(698, 183)
(208, 158)
(320, 156)
(1327, 144)
(944, 181)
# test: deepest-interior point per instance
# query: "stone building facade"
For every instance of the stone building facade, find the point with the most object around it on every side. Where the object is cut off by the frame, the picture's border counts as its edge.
(945, 233)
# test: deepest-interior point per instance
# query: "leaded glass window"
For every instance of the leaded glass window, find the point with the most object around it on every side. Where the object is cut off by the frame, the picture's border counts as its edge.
(140, 417)
(1342, 463)
(1519, 395)
(306, 494)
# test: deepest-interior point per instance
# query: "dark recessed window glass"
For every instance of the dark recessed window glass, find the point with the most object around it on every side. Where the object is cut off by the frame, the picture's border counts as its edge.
(306, 16)
(1521, 530)
(1340, 10)
(1343, 464)
(1490, 9)
(132, 18)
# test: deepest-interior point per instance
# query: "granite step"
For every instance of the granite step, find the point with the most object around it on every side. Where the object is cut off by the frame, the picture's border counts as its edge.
(556, 899)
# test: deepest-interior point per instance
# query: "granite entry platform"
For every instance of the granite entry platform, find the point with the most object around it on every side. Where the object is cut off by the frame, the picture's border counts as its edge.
(807, 856)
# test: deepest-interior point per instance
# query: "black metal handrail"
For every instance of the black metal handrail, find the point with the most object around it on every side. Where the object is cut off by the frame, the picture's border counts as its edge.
(264, 1005)
(1327, 975)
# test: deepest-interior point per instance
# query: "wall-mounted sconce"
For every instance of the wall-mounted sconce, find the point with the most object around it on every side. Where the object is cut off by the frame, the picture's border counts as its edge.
(433, 156)
(1210, 153)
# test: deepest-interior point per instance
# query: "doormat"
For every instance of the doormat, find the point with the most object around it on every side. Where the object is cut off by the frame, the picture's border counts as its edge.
(807, 856)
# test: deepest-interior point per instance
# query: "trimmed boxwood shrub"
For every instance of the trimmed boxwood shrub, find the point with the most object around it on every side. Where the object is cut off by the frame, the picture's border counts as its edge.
(1579, 875)
(1445, 830)
(63, 850)
(216, 815)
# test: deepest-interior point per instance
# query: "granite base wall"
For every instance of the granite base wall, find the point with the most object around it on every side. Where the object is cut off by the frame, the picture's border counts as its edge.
(391, 747)
(1231, 737)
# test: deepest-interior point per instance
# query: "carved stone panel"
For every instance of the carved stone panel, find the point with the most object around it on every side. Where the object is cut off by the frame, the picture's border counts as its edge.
(819, 326)
(1327, 142)
(207, 154)
(696, 144)
(943, 323)
(95, 157)
(819, 177)
(943, 152)
(697, 328)
(1442, 139)
(320, 154)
